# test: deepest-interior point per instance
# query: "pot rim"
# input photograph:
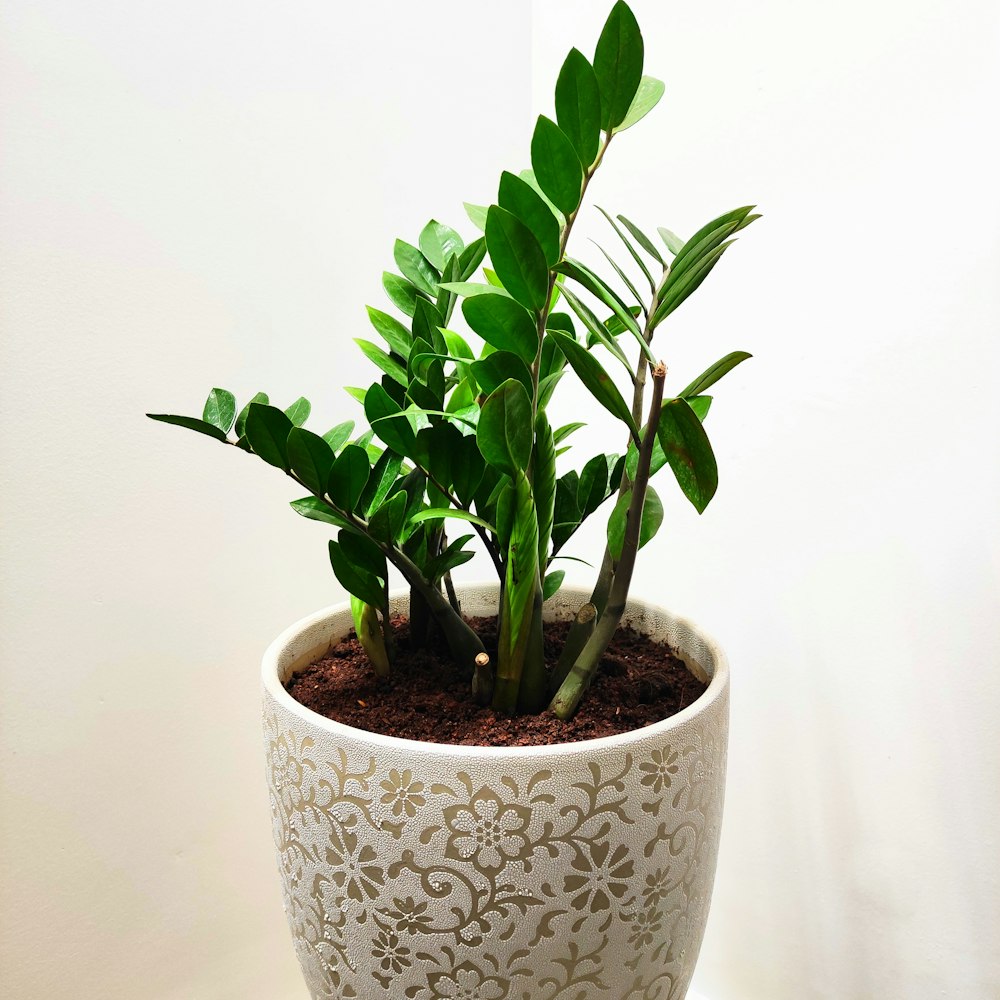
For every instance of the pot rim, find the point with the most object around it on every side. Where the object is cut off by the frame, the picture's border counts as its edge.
(272, 685)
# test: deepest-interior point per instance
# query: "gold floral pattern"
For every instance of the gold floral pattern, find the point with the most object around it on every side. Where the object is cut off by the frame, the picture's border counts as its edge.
(507, 877)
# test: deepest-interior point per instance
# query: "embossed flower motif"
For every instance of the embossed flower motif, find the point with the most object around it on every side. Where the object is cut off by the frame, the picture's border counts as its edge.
(353, 871)
(391, 954)
(647, 927)
(286, 774)
(659, 771)
(466, 982)
(601, 872)
(409, 916)
(659, 885)
(403, 793)
(700, 788)
(488, 829)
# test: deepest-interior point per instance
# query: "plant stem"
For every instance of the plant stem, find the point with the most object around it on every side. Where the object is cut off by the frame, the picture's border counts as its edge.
(567, 698)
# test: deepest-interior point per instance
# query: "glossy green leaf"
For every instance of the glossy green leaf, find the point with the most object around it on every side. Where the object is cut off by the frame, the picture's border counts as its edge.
(348, 476)
(468, 289)
(520, 199)
(543, 483)
(191, 423)
(356, 392)
(618, 64)
(386, 523)
(546, 387)
(670, 240)
(454, 555)
(652, 518)
(596, 379)
(415, 267)
(567, 516)
(318, 510)
(299, 411)
(505, 428)
(597, 331)
(710, 236)
(556, 166)
(477, 215)
(627, 282)
(633, 253)
(503, 323)
(517, 258)
(311, 459)
(220, 410)
(467, 469)
(676, 291)
(553, 581)
(391, 331)
(362, 585)
(427, 323)
(438, 242)
(380, 359)
(712, 374)
(439, 513)
(241, 419)
(700, 405)
(402, 294)
(381, 410)
(578, 105)
(561, 433)
(267, 432)
(381, 479)
(646, 98)
(602, 291)
(472, 256)
(336, 437)
(642, 239)
(593, 486)
(689, 452)
(521, 577)
(492, 371)
(364, 554)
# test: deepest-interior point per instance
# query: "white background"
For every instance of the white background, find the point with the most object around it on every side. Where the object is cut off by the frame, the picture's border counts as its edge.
(202, 194)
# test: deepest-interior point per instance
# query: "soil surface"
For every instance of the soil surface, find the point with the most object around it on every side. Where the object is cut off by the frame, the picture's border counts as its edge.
(428, 698)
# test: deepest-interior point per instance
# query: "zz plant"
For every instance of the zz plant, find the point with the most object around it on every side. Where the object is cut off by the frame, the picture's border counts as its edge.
(459, 430)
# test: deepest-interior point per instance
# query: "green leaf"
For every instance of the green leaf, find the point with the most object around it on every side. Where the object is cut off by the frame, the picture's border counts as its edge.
(299, 411)
(596, 379)
(241, 420)
(710, 236)
(553, 581)
(578, 105)
(627, 281)
(356, 393)
(438, 242)
(438, 513)
(220, 410)
(700, 405)
(618, 64)
(402, 293)
(646, 98)
(671, 240)
(546, 387)
(391, 331)
(378, 357)
(386, 523)
(362, 585)
(593, 486)
(520, 199)
(364, 554)
(454, 555)
(642, 239)
(468, 289)
(712, 374)
(556, 166)
(472, 256)
(517, 258)
(652, 518)
(415, 267)
(543, 483)
(267, 432)
(348, 476)
(689, 452)
(380, 407)
(628, 246)
(504, 431)
(191, 423)
(596, 329)
(676, 291)
(467, 469)
(601, 290)
(337, 437)
(564, 432)
(477, 215)
(522, 563)
(492, 371)
(567, 516)
(380, 481)
(318, 510)
(503, 323)
(311, 459)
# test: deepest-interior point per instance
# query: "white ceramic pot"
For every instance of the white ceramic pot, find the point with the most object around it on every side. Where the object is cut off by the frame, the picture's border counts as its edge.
(431, 871)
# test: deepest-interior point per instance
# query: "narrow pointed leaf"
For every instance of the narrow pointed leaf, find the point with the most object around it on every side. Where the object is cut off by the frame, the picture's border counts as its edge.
(543, 483)
(643, 240)
(670, 240)
(553, 581)
(596, 329)
(402, 294)
(191, 423)
(712, 375)
(468, 289)
(337, 437)
(618, 64)
(380, 480)
(391, 331)
(437, 513)
(378, 357)
(578, 105)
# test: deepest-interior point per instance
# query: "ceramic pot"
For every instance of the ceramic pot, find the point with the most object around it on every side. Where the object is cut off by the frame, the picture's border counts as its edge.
(431, 871)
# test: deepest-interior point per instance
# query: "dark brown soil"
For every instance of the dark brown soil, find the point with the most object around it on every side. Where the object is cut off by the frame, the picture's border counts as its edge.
(427, 698)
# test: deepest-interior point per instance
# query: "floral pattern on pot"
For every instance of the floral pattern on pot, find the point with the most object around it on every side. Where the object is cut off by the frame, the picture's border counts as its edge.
(547, 874)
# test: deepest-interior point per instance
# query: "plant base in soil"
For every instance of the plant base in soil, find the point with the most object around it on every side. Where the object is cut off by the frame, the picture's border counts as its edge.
(640, 681)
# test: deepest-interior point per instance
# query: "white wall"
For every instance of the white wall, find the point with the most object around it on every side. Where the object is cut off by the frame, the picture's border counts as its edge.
(850, 562)
(191, 196)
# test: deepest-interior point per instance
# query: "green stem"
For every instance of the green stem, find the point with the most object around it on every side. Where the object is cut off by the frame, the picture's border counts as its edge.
(567, 698)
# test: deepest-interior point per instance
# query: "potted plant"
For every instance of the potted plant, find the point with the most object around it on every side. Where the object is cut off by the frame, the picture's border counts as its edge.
(569, 868)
